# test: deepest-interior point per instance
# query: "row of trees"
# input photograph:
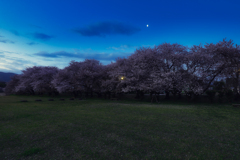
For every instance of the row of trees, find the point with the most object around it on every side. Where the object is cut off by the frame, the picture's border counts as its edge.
(172, 68)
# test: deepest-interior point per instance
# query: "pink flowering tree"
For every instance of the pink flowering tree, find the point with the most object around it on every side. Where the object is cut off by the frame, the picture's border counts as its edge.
(158, 69)
(115, 77)
(170, 74)
(231, 57)
(212, 64)
(41, 80)
(91, 75)
(64, 83)
(79, 77)
(109, 81)
(203, 65)
(12, 84)
(26, 80)
(141, 64)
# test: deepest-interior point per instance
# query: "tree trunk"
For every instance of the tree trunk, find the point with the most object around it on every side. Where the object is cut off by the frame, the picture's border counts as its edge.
(91, 94)
(105, 95)
(99, 94)
(236, 88)
(174, 92)
(75, 94)
(167, 95)
(237, 97)
(195, 97)
(154, 97)
(114, 95)
(80, 94)
(137, 95)
(109, 95)
(151, 94)
(120, 95)
(188, 95)
(141, 95)
(56, 93)
(179, 95)
(86, 94)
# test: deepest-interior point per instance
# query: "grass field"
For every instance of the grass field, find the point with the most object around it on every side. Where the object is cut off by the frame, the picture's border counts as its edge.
(105, 129)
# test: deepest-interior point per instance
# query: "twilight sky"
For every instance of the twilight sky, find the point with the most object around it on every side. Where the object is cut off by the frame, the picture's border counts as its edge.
(54, 32)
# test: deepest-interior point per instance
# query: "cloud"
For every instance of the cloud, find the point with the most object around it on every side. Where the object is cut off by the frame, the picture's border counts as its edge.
(31, 43)
(122, 47)
(3, 51)
(16, 33)
(14, 64)
(97, 56)
(56, 54)
(41, 36)
(35, 26)
(1, 36)
(102, 29)
(6, 41)
(36, 35)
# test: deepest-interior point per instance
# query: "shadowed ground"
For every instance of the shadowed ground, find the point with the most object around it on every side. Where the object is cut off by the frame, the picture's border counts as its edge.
(105, 129)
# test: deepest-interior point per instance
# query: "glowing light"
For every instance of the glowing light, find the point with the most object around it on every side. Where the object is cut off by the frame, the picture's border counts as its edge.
(147, 25)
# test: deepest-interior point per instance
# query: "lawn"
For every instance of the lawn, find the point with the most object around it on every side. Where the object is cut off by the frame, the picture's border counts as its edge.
(104, 129)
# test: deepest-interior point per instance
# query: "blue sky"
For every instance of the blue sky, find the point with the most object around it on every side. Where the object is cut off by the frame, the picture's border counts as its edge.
(54, 32)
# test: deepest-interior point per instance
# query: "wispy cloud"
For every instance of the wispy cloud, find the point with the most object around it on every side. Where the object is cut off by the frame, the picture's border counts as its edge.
(122, 47)
(16, 33)
(56, 54)
(35, 26)
(6, 41)
(36, 35)
(151, 46)
(97, 56)
(14, 64)
(41, 36)
(3, 51)
(32, 43)
(104, 28)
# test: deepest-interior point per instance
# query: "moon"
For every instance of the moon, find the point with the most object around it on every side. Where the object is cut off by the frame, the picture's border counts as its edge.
(147, 25)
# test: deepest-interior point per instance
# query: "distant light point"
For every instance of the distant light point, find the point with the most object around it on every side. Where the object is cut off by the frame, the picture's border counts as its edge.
(147, 25)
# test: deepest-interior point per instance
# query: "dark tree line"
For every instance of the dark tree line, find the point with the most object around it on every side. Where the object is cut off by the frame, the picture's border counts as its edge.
(172, 68)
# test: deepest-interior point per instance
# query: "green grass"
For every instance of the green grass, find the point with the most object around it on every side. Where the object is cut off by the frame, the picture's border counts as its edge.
(127, 129)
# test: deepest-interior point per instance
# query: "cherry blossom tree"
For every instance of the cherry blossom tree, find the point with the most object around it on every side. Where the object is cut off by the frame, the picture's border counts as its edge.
(42, 80)
(36, 79)
(115, 77)
(217, 60)
(172, 57)
(26, 80)
(79, 77)
(141, 64)
(12, 84)
(156, 69)
(109, 82)
(202, 66)
(167, 67)
(231, 56)
(63, 82)
(91, 75)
